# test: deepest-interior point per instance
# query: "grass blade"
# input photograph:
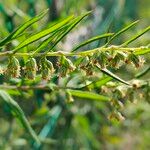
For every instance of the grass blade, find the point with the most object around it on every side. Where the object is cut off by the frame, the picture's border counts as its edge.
(42, 34)
(19, 114)
(92, 40)
(137, 36)
(20, 29)
(88, 95)
(122, 31)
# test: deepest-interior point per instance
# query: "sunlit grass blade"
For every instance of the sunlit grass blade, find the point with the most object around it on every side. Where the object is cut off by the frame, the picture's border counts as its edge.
(21, 28)
(135, 37)
(19, 114)
(122, 31)
(88, 95)
(43, 33)
(98, 84)
(92, 40)
(109, 73)
(75, 22)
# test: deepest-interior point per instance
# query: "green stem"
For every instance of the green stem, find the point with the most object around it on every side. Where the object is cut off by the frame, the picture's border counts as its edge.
(84, 53)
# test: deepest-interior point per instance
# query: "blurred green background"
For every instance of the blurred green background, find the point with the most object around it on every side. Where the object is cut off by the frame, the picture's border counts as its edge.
(82, 125)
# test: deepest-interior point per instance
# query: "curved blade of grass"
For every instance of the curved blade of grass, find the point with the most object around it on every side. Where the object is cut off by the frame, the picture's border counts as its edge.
(97, 84)
(21, 28)
(42, 34)
(135, 37)
(75, 22)
(19, 114)
(92, 40)
(88, 95)
(109, 73)
(122, 31)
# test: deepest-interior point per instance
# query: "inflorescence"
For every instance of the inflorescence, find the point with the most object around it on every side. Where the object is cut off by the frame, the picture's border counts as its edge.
(45, 67)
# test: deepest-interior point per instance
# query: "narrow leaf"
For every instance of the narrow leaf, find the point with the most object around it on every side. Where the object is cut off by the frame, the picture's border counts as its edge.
(109, 73)
(75, 22)
(15, 108)
(145, 71)
(122, 31)
(137, 36)
(42, 34)
(92, 40)
(21, 28)
(99, 83)
(88, 95)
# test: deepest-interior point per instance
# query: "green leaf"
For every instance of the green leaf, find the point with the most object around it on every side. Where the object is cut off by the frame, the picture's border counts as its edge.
(137, 36)
(142, 73)
(42, 34)
(21, 28)
(99, 83)
(122, 31)
(75, 22)
(92, 40)
(19, 114)
(45, 42)
(109, 73)
(88, 95)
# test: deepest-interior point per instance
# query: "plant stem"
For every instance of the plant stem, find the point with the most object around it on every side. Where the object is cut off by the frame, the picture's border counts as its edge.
(36, 87)
(84, 53)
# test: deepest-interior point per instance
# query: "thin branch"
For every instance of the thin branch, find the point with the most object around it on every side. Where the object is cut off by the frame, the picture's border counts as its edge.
(85, 53)
(35, 87)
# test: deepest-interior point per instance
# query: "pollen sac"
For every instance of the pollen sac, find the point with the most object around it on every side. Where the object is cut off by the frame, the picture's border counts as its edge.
(83, 62)
(103, 59)
(31, 74)
(117, 116)
(31, 68)
(117, 58)
(69, 97)
(46, 68)
(136, 60)
(13, 68)
(66, 66)
(46, 74)
(117, 104)
(31, 64)
(50, 66)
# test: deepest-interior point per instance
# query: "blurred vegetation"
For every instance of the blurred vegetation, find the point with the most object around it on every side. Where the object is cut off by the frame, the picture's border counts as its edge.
(83, 124)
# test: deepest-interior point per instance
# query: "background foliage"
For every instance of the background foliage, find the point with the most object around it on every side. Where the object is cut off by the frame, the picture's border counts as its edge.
(41, 118)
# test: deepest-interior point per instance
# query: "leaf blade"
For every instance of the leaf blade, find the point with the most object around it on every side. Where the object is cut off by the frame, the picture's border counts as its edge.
(121, 31)
(136, 37)
(42, 34)
(109, 73)
(92, 40)
(21, 28)
(88, 95)
(78, 19)
(19, 114)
